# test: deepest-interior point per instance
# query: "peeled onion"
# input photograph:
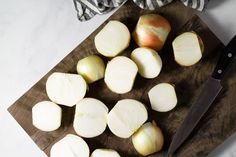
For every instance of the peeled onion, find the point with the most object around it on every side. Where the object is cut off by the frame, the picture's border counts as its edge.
(120, 74)
(148, 61)
(162, 97)
(70, 146)
(65, 89)
(148, 139)
(46, 116)
(105, 153)
(112, 39)
(92, 68)
(188, 48)
(126, 117)
(90, 117)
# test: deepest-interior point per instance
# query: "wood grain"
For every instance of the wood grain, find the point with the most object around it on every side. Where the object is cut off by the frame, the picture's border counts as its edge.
(218, 124)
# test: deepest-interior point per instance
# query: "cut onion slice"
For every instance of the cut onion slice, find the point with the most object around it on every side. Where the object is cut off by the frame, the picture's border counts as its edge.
(126, 117)
(112, 39)
(120, 74)
(70, 146)
(162, 97)
(65, 89)
(148, 61)
(90, 117)
(105, 153)
(46, 116)
(188, 48)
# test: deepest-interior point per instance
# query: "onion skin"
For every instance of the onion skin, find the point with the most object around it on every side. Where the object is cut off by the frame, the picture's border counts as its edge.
(90, 113)
(151, 31)
(92, 68)
(46, 116)
(148, 139)
(126, 117)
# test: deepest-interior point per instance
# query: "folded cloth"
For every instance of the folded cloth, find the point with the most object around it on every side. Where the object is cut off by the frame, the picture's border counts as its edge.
(86, 9)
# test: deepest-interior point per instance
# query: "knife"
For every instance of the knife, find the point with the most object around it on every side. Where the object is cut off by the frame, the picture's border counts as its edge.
(208, 94)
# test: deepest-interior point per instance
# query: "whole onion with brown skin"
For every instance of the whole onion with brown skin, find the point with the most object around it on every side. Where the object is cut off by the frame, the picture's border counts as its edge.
(151, 31)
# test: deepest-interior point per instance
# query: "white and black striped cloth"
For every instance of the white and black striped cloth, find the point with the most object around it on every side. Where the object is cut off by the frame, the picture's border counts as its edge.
(86, 9)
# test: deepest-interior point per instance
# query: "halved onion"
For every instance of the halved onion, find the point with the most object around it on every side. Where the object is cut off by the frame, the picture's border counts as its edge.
(90, 117)
(188, 48)
(112, 39)
(126, 117)
(148, 61)
(120, 74)
(162, 97)
(46, 116)
(65, 89)
(105, 153)
(70, 146)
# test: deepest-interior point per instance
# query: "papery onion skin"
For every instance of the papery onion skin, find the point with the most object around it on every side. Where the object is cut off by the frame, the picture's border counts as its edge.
(65, 88)
(151, 31)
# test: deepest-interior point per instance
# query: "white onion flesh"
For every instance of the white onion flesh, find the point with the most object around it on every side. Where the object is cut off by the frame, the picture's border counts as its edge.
(105, 153)
(65, 89)
(120, 74)
(92, 68)
(126, 117)
(148, 61)
(90, 117)
(112, 39)
(162, 97)
(46, 116)
(187, 49)
(70, 146)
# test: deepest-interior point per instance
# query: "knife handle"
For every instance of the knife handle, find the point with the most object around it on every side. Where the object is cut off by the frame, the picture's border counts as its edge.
(225, 59)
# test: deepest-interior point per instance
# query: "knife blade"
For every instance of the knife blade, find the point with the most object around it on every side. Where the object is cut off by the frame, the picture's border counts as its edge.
(209, 92)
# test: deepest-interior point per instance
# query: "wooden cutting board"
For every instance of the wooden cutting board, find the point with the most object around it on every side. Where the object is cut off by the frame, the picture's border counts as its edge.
(218, 124)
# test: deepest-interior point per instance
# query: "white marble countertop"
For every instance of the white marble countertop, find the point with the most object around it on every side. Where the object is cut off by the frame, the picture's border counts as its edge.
(36, 35)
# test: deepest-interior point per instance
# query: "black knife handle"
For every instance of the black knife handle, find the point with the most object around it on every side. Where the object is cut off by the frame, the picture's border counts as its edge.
(225, 59)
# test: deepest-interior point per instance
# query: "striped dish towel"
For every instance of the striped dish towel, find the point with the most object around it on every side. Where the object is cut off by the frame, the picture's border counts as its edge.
(86, 9)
